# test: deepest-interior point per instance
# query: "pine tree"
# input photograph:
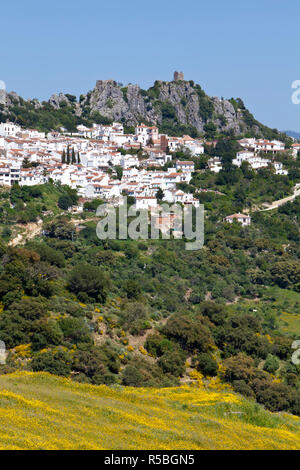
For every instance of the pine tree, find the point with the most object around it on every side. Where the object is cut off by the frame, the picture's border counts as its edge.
(63, 157)
(68, 155)
(160, 194)
(73, 156)
(78, 158)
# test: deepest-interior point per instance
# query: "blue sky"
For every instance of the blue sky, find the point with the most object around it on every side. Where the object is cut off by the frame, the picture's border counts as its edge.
(246, 49)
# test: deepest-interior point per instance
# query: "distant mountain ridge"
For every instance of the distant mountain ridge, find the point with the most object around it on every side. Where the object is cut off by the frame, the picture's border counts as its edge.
(177, 107)
(295, 135)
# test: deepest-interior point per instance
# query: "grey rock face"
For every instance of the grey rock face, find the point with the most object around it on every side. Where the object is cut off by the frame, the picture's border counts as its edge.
(107, 98)
(132, 106)
(117, 103)
(11, 98)
(225, 108)
(2, 93)
(36, 103)
(56, 99)
(2, 97)
(171, 104)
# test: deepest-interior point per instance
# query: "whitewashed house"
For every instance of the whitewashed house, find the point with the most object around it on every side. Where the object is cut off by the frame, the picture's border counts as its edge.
(145, 202)
(9, 129)
(185, 166)
(241, 218)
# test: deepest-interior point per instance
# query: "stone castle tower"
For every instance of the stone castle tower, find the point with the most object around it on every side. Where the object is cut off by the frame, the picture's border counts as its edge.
(178, 76)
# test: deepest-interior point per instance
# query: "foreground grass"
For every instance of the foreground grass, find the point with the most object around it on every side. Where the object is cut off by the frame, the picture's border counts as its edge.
(40, 411)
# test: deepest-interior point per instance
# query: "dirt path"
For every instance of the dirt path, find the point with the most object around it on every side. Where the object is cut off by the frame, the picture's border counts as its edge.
(139, 341)
(31, 230)
(280, 202)
(82, 221)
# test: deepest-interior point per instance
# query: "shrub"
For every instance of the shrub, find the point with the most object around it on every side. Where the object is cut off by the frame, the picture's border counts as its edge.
(133, 289)
(50, 255)
(57, 363)
(157, 345)
(75, 330)
(241, 387)
(207, 364)
(271, 364)
(191, 334)
(133, 316)
(173, 362)
(132, 377)
(98, 364)
(90, 280)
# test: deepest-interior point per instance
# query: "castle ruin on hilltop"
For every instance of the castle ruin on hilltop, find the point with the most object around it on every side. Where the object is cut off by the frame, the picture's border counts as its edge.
(178, 76)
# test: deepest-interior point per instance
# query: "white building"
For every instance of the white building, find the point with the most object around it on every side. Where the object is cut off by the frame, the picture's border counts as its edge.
(295, 149)
(145, 133)
(128, 161)
(145, 202)
(9, 129)
(185, 166)
(196, 147)
(241, 218)
(214, 164)
(279, 168)
(31, 178)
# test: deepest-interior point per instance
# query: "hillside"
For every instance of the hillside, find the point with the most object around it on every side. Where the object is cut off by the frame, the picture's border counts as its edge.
(149, 313)
(177, 107)
(40, 411)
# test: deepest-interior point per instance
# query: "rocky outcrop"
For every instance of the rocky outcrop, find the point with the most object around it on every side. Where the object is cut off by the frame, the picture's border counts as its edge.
(177, 107)
(191, 106)
(119, 103)
(57, 99)
(12, 98)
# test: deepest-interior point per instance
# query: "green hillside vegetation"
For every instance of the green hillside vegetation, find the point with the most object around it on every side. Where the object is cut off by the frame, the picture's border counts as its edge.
(150, 313)
(234, 189)
(276, 306)
(27, 204)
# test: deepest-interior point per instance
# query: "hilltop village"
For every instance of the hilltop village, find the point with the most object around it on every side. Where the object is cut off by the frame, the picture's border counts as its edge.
(104, 162)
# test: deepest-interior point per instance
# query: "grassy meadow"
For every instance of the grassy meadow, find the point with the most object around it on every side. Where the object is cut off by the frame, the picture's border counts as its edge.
(41, 411)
